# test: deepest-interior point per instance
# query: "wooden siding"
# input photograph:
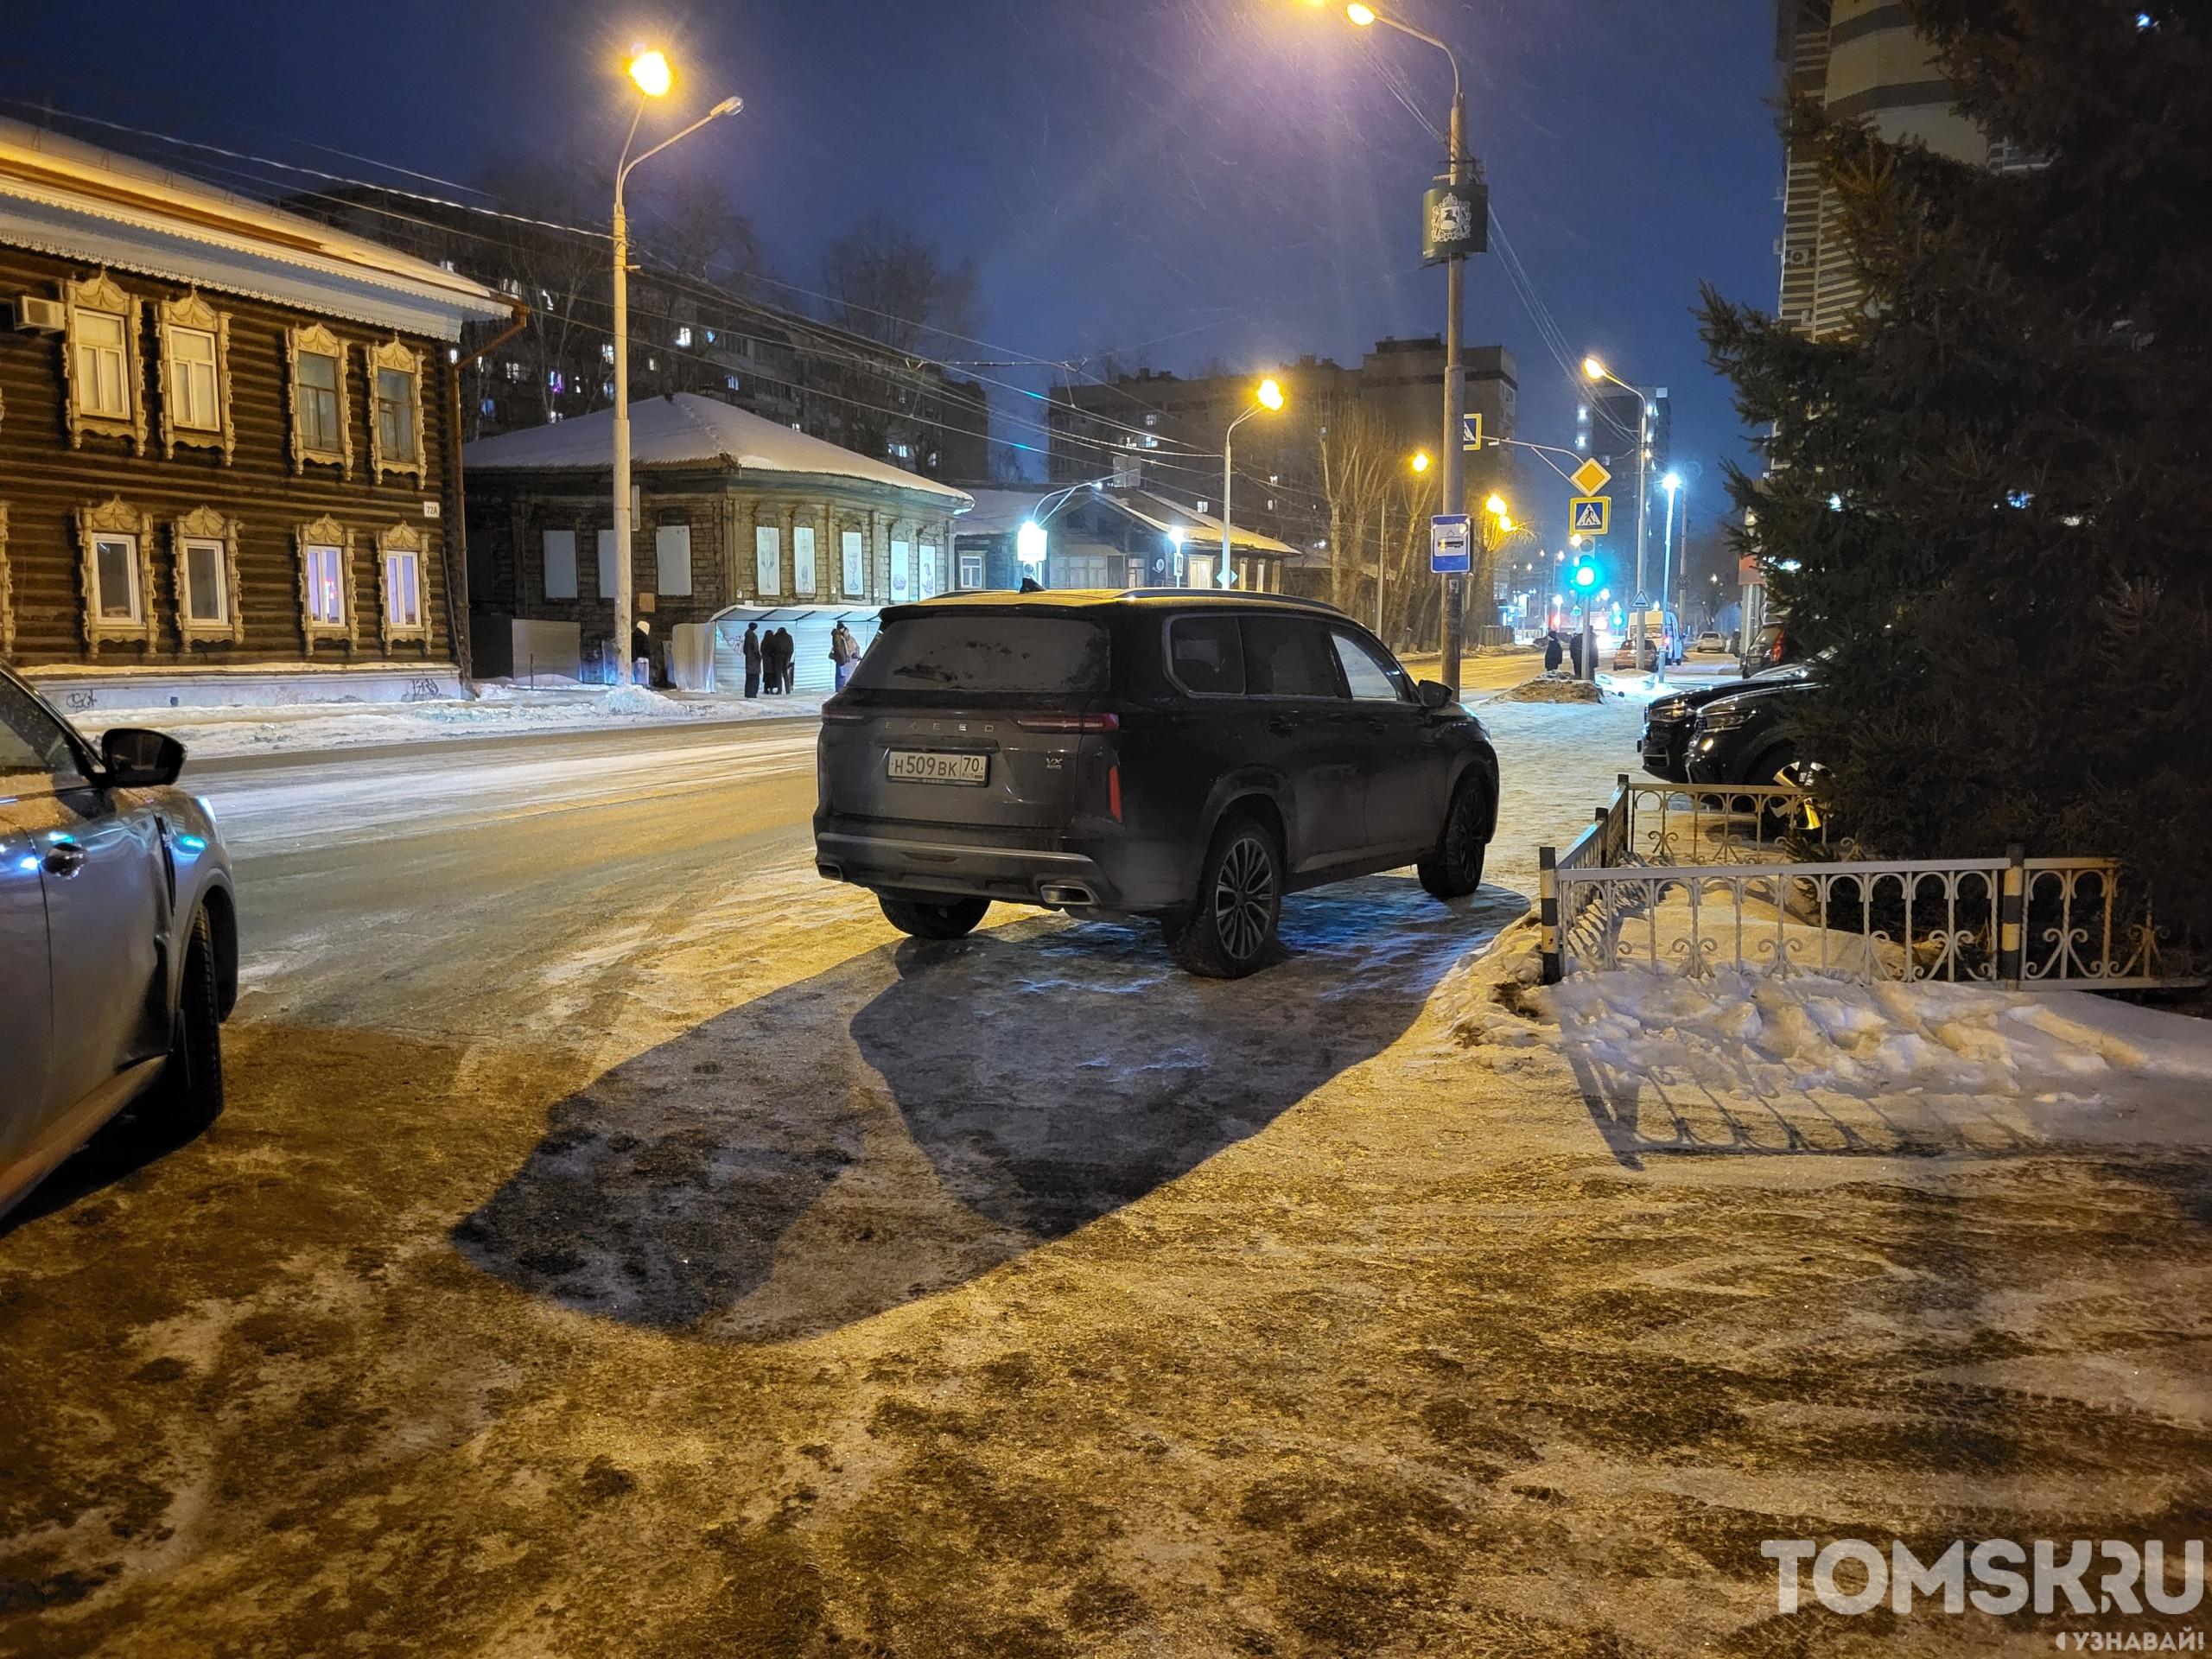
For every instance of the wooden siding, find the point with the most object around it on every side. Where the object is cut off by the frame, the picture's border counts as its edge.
(508, 511)
(44, 482)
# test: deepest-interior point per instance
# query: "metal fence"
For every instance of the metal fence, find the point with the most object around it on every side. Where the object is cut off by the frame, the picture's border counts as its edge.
(1692, 881)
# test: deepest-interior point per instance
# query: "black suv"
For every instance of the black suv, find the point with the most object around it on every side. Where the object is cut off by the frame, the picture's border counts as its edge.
(1184, 756)
(1669, 722)
(1744, 737)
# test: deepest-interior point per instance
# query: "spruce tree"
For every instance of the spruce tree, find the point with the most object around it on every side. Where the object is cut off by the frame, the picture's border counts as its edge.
(1990, 498)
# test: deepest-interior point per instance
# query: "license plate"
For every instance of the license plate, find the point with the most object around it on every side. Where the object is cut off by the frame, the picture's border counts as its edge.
(926, 766)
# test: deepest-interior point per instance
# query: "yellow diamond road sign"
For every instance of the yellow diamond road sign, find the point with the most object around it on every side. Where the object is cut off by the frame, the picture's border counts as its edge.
(1590, 477)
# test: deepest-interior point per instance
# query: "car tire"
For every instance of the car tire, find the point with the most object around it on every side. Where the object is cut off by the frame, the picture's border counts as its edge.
(1455, 869)
(1230, 931)
(191, 1086)
(928, 916)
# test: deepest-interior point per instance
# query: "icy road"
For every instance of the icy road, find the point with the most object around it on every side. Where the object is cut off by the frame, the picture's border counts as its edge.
(620, 1242)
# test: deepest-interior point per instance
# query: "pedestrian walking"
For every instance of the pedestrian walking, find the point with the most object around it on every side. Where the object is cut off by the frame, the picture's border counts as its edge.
(844, 652)
(751, 659)
(1553, 650)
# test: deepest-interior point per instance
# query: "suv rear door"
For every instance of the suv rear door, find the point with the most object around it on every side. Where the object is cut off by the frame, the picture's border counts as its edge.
(960, 720)
(1309, 733)
(1402, 753)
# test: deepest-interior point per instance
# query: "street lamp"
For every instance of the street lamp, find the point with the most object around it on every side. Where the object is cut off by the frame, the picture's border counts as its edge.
(1267, 396)
(1458, 163)
(649, 71)
(1418, 462)
(1596, 371)
(1671, 483)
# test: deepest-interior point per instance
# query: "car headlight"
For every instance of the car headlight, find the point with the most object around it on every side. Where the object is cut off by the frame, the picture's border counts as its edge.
(1723, 720)
(1669, 712)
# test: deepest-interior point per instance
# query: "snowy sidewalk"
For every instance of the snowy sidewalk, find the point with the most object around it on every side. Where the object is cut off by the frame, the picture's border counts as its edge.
(226, 734)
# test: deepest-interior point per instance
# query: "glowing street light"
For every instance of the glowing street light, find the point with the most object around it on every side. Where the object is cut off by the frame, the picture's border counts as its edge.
(1267, 396)
(1362, 16)
(649, 69)
(1420, 462)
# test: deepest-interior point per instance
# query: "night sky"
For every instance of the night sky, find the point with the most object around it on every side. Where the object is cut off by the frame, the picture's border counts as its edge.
(1178, 180)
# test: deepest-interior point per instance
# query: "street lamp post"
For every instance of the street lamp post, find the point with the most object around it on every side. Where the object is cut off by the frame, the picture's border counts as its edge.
(653, 77)
(1460, 165)
(1269, 398)
(1419, 461)
(1671, 483)
(1597, 371)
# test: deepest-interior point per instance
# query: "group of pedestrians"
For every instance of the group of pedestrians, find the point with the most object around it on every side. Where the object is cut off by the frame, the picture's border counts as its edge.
(768, 658)
(767, 661)
(1553, 650)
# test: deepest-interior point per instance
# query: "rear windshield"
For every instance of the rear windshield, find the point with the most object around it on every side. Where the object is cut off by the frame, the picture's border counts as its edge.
(955, 652)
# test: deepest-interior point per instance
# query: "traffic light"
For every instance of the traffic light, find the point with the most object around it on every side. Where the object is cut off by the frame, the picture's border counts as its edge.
(1586, 573)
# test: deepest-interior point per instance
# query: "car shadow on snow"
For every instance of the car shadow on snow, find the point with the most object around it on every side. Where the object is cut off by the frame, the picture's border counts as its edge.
(920, 1114)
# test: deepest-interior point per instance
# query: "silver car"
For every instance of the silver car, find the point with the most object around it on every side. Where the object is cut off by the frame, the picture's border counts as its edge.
(119, 937)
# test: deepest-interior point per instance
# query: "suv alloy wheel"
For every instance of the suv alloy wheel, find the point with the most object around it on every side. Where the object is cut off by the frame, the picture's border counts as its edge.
(1232, 928)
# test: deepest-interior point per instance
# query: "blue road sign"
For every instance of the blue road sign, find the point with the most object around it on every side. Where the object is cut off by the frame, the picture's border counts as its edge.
(1590, 515)
(1447, 544)
(1470, 431)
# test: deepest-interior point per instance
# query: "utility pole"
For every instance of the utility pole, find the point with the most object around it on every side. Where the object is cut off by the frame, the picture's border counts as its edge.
(1455, 395)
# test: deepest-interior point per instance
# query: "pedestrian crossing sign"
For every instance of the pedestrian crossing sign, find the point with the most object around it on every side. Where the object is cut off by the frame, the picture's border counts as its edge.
(1470, 431)
(1590, 515)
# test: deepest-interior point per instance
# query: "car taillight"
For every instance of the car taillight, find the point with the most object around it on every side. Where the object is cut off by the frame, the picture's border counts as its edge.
(1069, 723)
(833, 715)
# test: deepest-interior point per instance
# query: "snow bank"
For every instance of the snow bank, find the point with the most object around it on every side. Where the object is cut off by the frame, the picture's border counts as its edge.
(1745, 1062)
(222, 733)
(1550, 688)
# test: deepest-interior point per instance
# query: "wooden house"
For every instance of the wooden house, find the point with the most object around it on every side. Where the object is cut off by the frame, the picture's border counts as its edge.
(226, 442)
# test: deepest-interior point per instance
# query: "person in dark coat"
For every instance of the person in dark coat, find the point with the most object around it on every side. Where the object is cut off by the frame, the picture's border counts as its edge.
(1574, 650)
(752, 660)
(1553, 650)
(786, 648)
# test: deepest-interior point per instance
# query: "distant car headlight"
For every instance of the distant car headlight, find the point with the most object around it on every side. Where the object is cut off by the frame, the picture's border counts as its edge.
(1723, 720)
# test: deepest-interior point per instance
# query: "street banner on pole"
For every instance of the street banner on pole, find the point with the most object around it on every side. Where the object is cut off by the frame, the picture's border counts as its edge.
(1589, 515)
(1454, 222)
(1447, 544)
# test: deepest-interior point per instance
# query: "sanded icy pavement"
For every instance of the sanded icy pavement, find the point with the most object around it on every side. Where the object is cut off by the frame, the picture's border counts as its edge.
(620, 1242)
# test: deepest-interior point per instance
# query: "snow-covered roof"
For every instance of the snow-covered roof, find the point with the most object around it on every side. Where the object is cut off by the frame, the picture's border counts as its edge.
(1162, 514)
(687, 430)
(77, 201)
(1000, 513)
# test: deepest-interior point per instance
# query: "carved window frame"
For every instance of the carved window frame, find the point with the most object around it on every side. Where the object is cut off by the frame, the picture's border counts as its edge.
(322, 342)
(115, 518)
(206, 525)
(394, 355)
(402, 537)
(100, 293)
(325, 531)
(194, 312)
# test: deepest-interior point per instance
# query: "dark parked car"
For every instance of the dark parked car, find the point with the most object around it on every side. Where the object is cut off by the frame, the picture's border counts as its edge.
(1742, 737)
(1669, 722)
(118, 947)
(1772, 646)
(1184, 756)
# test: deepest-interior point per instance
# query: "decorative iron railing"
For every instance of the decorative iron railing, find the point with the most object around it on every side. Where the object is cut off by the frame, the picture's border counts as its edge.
(1691, 880)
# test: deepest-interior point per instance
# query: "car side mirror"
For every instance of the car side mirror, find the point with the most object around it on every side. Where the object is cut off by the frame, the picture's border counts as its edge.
(137, 758)
(1434, 694)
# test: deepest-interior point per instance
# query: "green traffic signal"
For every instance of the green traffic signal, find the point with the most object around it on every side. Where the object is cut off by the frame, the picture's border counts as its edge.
(1585, 574)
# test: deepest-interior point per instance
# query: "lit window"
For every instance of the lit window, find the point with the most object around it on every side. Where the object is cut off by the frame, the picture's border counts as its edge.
(1152, 420)
(606, 353)
(403, 590)
(711, 336)
(395, 415)
(734, 386)
(203, 595)
(607, 388)
(192, 380)
(684, 339)
(319, 427)
(971, 570)
(101, 341)
(514, 370)
(1274, 478)
(556, 380)
(488, 406)
(115, 578)
(326, 585)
